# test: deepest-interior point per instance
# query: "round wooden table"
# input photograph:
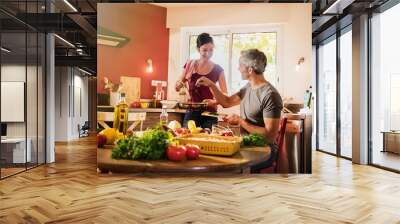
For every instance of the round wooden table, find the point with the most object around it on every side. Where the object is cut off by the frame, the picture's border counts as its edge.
(239, 162)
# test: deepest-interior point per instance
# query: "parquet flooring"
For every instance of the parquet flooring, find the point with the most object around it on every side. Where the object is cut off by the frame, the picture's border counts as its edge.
(387, 159)
(70, 191)
(10, 171)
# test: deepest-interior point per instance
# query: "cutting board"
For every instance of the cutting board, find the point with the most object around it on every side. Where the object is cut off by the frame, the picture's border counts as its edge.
(131, 88)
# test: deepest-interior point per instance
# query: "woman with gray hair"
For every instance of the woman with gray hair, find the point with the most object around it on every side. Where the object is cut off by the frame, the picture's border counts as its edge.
(260, 103)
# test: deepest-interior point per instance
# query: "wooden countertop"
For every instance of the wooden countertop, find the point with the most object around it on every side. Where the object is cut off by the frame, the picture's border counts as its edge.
(148, 110)
(242, 160)
(297, 116)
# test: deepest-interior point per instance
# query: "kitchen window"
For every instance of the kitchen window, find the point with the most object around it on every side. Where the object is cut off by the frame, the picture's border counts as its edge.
(394, 102)
(334, 94)
(385, 89)
(345, 92)
(327, 126)
(228, 44)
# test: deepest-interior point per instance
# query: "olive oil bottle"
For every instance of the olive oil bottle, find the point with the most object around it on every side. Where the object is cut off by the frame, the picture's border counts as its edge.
(121, 115)
(164, 116)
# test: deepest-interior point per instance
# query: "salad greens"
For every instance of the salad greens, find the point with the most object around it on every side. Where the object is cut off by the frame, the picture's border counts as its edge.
(254, 140)
(152, 145)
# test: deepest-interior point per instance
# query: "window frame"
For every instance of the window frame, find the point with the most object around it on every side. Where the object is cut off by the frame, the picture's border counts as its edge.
(186, 32)
(391, 96)
(334, 37)
(372, 66)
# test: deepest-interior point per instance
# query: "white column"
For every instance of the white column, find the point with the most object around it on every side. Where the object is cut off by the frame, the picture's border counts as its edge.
(50, 101)
(62, 103)
(360, 90)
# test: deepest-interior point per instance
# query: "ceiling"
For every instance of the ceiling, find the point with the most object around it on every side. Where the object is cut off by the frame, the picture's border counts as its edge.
(77, 25)
(77, 22)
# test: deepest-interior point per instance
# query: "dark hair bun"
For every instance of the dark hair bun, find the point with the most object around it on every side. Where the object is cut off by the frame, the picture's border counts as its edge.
(204, 38)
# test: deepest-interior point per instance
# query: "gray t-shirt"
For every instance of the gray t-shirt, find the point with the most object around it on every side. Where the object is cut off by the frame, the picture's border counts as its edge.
(257, 104)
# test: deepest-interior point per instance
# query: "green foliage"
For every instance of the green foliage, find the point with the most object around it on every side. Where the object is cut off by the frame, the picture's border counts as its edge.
(265, 42)
(98, 130)
(152, 145)
(254, 140)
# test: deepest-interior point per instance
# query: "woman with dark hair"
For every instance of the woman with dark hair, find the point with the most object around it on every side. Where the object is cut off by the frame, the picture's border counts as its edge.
(195, 69)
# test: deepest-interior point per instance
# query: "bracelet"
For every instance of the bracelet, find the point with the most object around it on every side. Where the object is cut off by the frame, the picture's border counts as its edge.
(179, 83)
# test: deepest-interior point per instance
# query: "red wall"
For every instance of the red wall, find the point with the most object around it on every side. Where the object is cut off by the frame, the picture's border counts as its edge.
(145, 25)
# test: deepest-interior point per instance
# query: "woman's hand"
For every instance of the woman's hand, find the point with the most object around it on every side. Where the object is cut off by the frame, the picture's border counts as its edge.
(232, 119)
(179, 84)
(203, 81)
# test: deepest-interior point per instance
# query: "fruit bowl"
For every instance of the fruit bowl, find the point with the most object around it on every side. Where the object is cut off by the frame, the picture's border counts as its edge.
(212, 144)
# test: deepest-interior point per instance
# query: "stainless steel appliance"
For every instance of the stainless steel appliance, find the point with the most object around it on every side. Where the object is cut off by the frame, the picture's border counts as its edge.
(297, 145)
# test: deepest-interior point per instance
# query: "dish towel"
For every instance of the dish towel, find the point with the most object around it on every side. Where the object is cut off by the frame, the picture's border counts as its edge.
(190, 68)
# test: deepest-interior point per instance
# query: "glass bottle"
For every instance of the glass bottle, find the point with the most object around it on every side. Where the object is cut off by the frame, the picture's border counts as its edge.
(121, 115)
(164, 116)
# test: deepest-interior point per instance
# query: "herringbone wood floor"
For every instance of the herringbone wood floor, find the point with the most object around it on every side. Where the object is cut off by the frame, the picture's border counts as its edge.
(70, 191)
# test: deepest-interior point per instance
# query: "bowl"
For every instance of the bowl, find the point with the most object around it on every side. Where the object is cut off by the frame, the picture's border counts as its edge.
(169, 104)
(145, 103)
(193, 106)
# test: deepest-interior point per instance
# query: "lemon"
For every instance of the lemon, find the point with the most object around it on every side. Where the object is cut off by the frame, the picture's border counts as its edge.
(174, 125)
(111, 135)
(120, 136)
(196, 130)
(191, 125)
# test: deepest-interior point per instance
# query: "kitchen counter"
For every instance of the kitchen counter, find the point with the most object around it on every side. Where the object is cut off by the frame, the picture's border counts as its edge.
(152, 114)
(240, 162)
(149, 110)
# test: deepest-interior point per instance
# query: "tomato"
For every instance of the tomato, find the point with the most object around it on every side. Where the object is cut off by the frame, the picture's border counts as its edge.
(178, 131)
(135, 104)
(101, 140)
(227, 133)
(181, 131)
(192, 151)
(176, 153)
(206, 130)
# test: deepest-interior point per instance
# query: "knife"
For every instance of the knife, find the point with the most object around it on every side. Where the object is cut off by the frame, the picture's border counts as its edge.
(213, 114)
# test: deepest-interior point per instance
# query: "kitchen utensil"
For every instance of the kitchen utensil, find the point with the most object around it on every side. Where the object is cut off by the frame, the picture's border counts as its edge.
(213, 114)
(145, 103)
(196, 92)
(213, 145)
(170, 104)
(218, 129)
(192, 106)
(159, 93)
(131, 87)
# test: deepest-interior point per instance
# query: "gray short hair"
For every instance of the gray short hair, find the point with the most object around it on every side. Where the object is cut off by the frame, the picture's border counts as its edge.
(255, 59)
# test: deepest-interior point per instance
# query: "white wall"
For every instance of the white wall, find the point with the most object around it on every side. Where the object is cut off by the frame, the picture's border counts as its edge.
(294, 20)
(34, 125)
(14, 73)
(17, 73)
(69, 82)
(79, 117)
(61, 103)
